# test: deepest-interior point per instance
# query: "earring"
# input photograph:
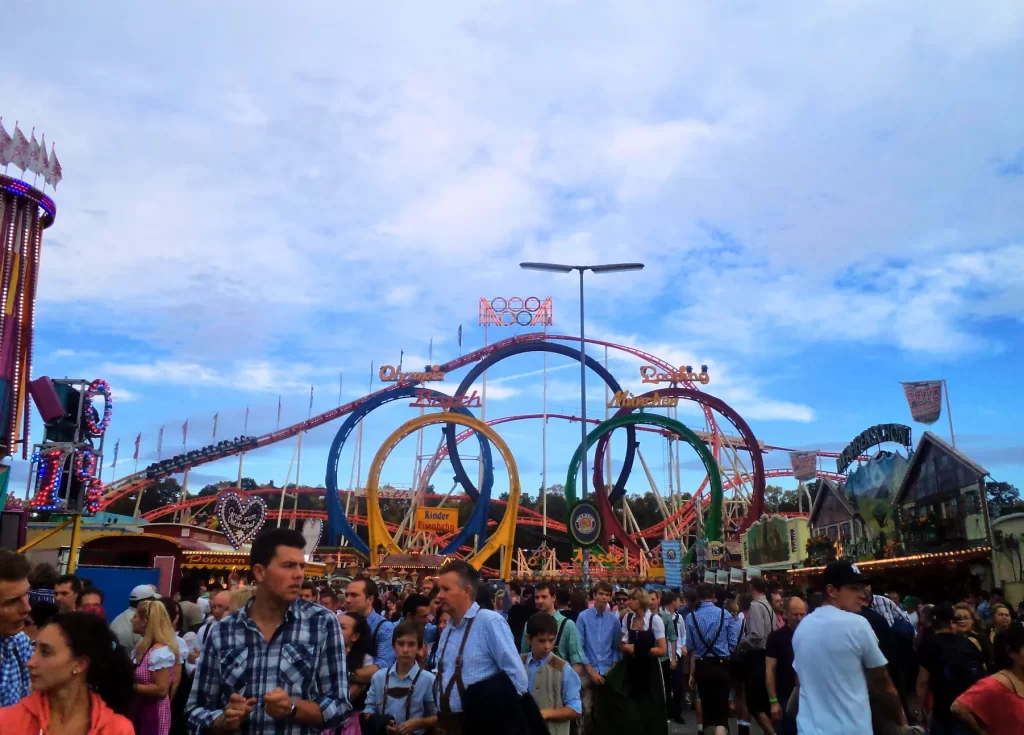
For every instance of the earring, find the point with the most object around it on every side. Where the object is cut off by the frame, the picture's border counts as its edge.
(74, 672)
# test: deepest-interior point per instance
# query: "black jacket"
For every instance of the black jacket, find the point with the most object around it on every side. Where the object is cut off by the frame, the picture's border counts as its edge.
(493, 706)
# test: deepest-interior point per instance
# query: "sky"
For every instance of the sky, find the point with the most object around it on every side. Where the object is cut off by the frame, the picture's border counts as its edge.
(256, 200)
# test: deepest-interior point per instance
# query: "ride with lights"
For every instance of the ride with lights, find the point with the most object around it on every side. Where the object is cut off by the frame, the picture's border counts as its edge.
(67, 462)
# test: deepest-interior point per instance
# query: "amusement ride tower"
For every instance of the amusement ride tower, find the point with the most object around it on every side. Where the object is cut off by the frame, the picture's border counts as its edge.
(25, 212)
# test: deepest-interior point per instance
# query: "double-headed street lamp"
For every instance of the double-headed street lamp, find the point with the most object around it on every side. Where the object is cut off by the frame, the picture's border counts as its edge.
(585, 462)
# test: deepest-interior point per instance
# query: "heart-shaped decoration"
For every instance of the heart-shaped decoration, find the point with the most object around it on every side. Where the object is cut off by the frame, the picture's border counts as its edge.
(312, 528)
(240, 518)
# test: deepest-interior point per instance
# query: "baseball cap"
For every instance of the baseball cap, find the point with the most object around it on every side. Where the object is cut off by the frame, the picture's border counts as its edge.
(143, 592)
(841, 573)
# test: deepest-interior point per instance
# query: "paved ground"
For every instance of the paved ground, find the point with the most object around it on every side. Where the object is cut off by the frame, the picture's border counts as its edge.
(690, 727)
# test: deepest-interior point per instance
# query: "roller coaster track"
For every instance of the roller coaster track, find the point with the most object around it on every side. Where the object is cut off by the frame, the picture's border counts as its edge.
(679, 520)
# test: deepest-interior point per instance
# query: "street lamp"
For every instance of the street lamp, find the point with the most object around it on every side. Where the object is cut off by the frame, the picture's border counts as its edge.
(605, 268)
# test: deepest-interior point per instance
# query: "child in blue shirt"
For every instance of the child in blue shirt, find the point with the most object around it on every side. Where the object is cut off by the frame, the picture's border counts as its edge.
(404, 691)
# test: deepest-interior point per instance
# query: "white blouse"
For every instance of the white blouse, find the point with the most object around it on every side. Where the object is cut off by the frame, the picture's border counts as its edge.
(652, 623)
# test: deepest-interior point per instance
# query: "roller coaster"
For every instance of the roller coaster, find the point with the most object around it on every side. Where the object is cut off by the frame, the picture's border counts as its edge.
(738, 467)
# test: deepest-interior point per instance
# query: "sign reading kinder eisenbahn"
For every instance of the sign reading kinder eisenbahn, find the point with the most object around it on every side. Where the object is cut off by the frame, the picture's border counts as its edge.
(880, 434)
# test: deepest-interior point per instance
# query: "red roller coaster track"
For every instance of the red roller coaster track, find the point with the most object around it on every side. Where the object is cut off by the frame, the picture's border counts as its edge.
(679, 519)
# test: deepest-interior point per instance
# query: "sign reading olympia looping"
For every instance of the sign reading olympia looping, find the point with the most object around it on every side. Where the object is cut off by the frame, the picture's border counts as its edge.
(241, 518)
(528, 312)
(391, 374)
(650, 374)
(585, 523)
(880, 434)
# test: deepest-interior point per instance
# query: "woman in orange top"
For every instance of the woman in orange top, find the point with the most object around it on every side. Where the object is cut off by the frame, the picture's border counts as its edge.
(81, 682)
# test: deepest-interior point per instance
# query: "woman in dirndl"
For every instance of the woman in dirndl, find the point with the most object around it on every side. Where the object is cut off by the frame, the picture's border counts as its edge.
(155, 658)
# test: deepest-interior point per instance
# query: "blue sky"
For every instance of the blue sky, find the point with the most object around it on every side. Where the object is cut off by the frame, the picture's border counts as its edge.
(828, 201)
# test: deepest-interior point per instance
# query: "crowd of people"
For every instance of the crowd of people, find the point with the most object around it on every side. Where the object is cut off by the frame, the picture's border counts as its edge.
(454, 656)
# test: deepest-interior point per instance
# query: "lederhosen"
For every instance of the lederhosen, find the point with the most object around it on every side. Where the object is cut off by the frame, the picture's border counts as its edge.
(399, 692)
(711, 674)
(448, 722)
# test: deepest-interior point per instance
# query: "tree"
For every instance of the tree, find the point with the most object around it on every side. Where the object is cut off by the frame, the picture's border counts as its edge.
(161, 494)
(1003, 499)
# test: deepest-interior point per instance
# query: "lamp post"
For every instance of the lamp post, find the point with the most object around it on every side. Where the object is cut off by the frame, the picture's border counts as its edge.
(584, 464)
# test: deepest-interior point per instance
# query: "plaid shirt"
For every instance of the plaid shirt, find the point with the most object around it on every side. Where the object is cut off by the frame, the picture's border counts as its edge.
(15, 651)
(888, 609)
(305, 657)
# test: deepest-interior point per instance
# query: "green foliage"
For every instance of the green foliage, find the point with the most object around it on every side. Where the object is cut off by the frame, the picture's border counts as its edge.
(1003, 499)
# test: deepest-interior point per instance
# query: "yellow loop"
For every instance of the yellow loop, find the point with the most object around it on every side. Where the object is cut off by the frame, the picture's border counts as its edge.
(503, 537)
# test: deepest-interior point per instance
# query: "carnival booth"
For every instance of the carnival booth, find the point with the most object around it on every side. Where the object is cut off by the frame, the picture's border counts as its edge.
(177, 551)
(920, 524)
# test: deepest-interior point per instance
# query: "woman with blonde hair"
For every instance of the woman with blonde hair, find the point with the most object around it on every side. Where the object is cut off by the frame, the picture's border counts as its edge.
(155, 658)
(240, 597)
(967, 622)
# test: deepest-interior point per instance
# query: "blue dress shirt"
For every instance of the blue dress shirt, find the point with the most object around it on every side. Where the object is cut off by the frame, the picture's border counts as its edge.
(570, 682)
(709, 618)
(599, 638)
(383, 654)
(489, 650)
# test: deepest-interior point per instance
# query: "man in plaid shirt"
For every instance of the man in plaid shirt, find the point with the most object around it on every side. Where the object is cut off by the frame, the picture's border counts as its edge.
(278, 664)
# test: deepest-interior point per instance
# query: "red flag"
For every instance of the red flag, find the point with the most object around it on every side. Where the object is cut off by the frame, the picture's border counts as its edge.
(137, 440)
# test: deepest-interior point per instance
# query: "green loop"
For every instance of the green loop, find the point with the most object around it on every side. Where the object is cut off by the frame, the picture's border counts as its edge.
(713, 521)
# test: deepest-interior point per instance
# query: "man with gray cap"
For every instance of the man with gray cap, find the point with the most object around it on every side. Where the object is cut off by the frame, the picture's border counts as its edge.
(122, 624)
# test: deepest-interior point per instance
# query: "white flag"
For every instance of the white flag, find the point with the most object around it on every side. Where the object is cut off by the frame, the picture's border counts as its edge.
(56, 174)
(6, 146)
(33, 153)
(44, 161)
(20, 155)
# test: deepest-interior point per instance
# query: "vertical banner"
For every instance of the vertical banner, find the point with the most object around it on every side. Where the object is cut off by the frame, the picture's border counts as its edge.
(925, 400)
(672, 556)
(805, 465)
(5, 477)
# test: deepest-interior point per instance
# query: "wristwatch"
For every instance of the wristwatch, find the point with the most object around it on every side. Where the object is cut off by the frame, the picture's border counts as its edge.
(294, 709)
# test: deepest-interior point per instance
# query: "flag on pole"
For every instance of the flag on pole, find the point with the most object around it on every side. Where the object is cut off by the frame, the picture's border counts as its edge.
(22, 148)
(278, 413)
(401, 356)
(804, 464)
(184, 433)
(44, 161)
(159, 444)
(138, 439)
(6, 146)
(245, 431)
(117, 448)
(460, 336)
(56, 173)
(341, 386)
(925, 400)
(215, 417)
(310, 400)
(33, 153)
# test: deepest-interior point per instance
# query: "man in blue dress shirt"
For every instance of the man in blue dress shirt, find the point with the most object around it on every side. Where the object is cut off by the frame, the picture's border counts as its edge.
(599, 638)
(711, 637)
(474, 646)
(360, 596)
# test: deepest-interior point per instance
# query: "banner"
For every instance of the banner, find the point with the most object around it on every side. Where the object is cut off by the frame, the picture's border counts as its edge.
(925, 400)
(805, 465)
(438, 520)
(722, 577)
(672, 554)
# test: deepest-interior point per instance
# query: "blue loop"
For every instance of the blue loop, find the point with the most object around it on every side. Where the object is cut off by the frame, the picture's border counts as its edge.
(338, 523)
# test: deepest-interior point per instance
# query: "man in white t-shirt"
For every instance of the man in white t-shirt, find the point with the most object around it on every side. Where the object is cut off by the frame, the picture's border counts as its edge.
(840, 669)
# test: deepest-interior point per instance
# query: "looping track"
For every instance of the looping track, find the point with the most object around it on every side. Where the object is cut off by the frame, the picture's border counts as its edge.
(685, 515)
